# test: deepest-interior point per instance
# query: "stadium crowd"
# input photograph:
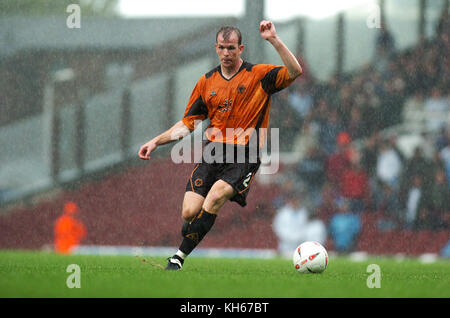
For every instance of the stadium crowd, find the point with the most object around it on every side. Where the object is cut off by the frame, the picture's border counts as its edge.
(349, 161)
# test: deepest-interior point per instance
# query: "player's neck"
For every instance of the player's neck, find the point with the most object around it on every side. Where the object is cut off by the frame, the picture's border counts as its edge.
(229, 72)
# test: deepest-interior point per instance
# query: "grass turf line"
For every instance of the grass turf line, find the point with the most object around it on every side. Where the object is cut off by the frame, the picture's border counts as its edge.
(43, 274)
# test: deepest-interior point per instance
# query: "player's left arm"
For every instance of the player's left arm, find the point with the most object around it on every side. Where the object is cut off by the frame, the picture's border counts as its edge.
(268, 32)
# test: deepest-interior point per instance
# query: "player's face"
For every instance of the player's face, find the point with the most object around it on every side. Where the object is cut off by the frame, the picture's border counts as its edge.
(228, 50)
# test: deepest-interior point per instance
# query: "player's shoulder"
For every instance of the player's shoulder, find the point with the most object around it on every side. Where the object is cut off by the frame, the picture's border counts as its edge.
(210, 73)
(256, 68)
(263, 69)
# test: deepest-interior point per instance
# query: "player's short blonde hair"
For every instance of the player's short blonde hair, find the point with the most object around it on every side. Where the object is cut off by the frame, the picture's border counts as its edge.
(226, 32)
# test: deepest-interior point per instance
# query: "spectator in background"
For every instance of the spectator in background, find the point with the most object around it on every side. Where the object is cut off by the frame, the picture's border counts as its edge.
(68, 230)
(287, 186)
(385, 43)
(387, 201)
(331, 90)
(437, 110)
(340, 160)
(294, 224)
(445, 252)
(444, 155)
(285, 116)
(344, 227)
(290, 223)
(371, 112)
(300, 99)
(311, 170)
(412, 74)
(392, 102)
(327, 206)
(305, 140)
(354, 185)
(413, 109)
(346, 102)
(427, 143)
(316, 231)
(384, 49)
(443, 24)
(442, 139)
(415, 202)
(369, 155)
(329, 131)
(417, 164)
(389, 164)
(430, 73)
(438, 201)
(355, 126)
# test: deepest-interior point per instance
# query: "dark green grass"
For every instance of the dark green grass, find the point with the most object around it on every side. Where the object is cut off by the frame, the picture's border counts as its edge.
(39, 274)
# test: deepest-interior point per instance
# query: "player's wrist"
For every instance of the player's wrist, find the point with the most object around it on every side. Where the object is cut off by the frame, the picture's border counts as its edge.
(274, 40)
(155, 142)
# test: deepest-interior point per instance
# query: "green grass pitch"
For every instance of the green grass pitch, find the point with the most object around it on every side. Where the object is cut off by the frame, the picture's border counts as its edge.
(43, 274)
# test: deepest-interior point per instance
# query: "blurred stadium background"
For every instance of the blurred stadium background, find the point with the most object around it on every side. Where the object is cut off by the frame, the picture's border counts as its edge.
(367, 124)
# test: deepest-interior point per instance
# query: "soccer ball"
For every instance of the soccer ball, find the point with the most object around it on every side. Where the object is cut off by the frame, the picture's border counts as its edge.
(310, 257)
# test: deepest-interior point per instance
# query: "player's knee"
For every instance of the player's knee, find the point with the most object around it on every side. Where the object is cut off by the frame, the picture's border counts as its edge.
(221, 193)
(215, 201)
(188, 213)
(215, 197)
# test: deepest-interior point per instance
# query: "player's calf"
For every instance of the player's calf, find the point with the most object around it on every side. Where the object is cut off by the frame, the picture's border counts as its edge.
(193, 232)
(196, 230)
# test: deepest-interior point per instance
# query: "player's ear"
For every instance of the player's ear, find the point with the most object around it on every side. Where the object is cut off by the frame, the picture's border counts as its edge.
(241, 48)
(216, 46)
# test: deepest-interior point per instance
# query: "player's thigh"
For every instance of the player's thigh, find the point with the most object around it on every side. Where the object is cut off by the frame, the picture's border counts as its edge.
(219, 193)
(192, 203)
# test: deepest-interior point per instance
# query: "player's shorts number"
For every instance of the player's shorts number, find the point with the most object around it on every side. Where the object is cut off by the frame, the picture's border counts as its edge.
(247, 179)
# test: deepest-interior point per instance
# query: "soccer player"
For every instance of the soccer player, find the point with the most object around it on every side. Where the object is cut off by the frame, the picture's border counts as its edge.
(235, 95)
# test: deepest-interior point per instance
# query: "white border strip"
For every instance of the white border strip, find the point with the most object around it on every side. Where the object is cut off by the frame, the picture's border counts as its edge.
(169, 251)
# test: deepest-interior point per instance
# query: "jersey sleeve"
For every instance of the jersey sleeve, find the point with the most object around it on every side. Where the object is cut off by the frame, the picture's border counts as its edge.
(196, 109)
(275, 78)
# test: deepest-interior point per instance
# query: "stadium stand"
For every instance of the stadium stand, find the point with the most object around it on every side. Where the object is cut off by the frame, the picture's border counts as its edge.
(138, 208)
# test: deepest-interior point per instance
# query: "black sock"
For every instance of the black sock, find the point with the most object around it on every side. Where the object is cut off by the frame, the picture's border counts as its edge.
(195, 231)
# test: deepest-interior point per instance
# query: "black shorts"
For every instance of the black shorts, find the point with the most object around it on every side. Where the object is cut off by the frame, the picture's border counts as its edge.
(238, 175)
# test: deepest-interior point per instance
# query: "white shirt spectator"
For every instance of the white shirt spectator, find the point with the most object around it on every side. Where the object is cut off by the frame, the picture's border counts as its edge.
(412, 205)
(437, 111)
(316, 231)
(413, 110)
(290, 227)
(389, 167)
(445, 157)
(301, 101)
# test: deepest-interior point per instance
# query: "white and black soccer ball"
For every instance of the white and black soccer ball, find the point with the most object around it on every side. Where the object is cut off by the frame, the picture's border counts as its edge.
(310, 257)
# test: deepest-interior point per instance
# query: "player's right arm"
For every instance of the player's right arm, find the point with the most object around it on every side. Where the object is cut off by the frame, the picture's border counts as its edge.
(196, 111)
(268, 32)
(175, 133)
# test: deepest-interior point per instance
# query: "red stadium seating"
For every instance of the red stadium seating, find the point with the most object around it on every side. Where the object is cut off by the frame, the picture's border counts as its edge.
(142, 207)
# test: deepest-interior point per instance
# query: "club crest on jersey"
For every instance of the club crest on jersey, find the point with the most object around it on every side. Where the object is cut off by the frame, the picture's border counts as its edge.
(213, 93)
(241, 89)
(226, 106)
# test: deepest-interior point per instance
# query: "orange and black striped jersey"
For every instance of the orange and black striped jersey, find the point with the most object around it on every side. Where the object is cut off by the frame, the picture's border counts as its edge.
(241, 103)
